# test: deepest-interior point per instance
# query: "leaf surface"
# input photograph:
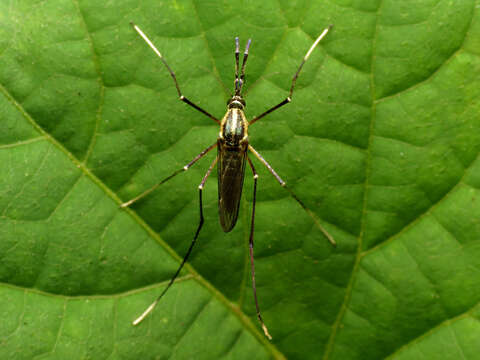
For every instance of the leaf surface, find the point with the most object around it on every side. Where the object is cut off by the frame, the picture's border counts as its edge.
(381, 143)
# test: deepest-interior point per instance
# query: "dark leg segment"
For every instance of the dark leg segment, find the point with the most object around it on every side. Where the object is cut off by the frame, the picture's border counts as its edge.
(200, 224)
(239, 81)
(294, 79)
(172, 74)
(244, 62)
(185, 168)
(250, 243)
(237, 65)
(284, 185)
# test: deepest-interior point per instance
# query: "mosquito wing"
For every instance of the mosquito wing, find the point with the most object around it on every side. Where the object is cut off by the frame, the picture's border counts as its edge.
(231, 171)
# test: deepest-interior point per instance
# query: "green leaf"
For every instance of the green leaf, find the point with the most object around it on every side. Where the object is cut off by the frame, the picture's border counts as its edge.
(380, 143)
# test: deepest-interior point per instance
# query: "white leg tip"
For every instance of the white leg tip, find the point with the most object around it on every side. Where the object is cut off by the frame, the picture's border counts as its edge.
(265, 331)
(125, 204)
(145, 313)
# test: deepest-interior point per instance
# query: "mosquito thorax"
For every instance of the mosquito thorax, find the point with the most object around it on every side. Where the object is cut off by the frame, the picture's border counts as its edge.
(234, 125)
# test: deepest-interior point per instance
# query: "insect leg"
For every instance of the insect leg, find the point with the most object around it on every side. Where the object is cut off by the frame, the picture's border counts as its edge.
(294, 79)
(185, 168)
(237, 54)
(240, 81)
(200, 224)
(284, 185)
(172, 74)
(250, 243)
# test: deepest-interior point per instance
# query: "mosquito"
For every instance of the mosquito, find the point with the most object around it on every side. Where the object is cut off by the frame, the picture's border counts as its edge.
(233, 151)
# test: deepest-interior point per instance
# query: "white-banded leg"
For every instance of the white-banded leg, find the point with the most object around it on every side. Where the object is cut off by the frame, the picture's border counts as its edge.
(239, 80)
(185, 168)
(284, 185)
(200, 224)
(294, 79)
(250, 245)
(172, 74)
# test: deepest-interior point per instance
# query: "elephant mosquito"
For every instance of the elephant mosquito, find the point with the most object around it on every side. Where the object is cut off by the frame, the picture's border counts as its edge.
(232, 147)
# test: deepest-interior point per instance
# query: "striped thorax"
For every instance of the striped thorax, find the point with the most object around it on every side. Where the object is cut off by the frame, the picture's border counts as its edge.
(234, 125)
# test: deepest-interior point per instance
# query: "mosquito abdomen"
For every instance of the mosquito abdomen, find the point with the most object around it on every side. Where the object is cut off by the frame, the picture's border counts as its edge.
(231, 171)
